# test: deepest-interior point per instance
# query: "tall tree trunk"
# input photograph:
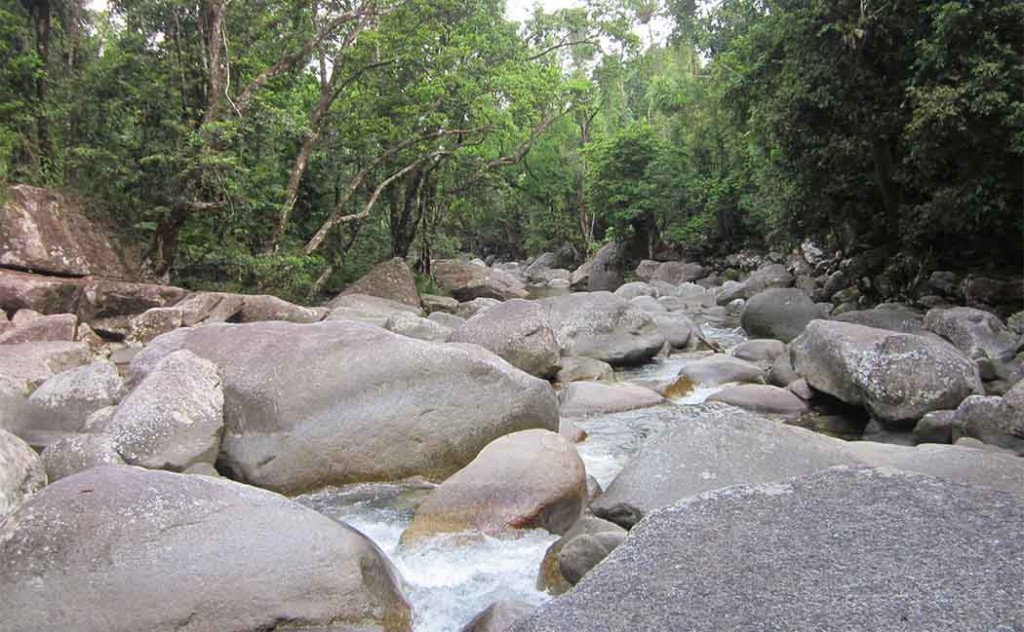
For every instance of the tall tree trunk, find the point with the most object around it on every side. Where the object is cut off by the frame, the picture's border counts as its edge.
(44, 22)
(216, 68)
(165, 245)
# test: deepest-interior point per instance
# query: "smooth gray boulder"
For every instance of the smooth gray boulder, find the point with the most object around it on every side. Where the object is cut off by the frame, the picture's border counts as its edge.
(678, 272)
(499, 616)
(844, 549)
(993, 420)
(634, 289)
(344, 402)
(25, 366)
(606, 269)
(533, 479)
(21, 473)
(889, 316)
(779, 313)
(582, 553)
(955, 463)
(649, 304)
(550, 578)
(63, 403)
(78, 453)
(417, 327)
(679, 331)
(897, 377)
(391, 279)
(451, 321)
(471, 308)
(582, 369)
(602, 326)
(433, 303)
(364, 308)
(518, 331)
(580, 399)
(762, 352)
(174, 418)
(720, 369)
(935, 427)
(645, 270)
(714, 446)
(263, 307)
(467, 281)
(770, 276)
(761, 398)
(174, 551)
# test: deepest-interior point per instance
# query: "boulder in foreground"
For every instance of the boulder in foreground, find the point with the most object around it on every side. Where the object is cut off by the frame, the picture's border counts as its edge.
(126, 549)
(839, 550)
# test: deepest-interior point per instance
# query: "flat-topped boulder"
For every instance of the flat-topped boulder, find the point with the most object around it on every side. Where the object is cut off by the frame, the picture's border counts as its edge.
(602, 326)
(582, 398)
(391, 279)
(128, 549)
(467, 281)
(711, 447)
(367, 309)
(343, 402)
(842, 549)
(897, 377)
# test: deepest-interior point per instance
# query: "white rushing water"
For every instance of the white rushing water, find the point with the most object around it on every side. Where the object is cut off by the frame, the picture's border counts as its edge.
(447, 580)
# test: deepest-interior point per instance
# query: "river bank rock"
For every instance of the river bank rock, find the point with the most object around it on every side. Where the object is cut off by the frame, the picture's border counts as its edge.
(391, 279)
(678, 272)
(344, 402)
(526, 480)
(890, 316)
(172, 549)
(550, 578)
(175, 416)
(63, 403)
(845, 529)
(433, 303)
(720, 369)
(77, 453)
(711, 447)
(980, 335)
(993, 420)
(602, 326)
(368, 309)
(21, 473)
(579, 399)
(779, 313)
(413, 326)
(761, 398)
(466, 281)
(770, 276)
(883, 371)
(583, 369)
(606, 269)
(762, 352)
(518, 332)
(42, 230)
(26, 366)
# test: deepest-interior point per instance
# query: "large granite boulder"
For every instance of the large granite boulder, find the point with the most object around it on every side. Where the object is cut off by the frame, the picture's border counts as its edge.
(261, 307)
(602, 326)
(897, 377)
(980, 335)
(467, 281)
(606, 270)
(579, 280)
(526, 480)
(711, 447)
(174, 418)
(129, 549)
(26, 366)
(995, 420)
(720, 369)
(42, 230)
(77, 453)
(367, 309)
(779, 313)
(890, 316)
(761, 398)
(518, 332)
(981, 466)
(343, 402)
(837, 550)
(414, 326)
(632, 290)
(21, 473)
(64, 402)
(678, 272)
(390, 279)
(770, 276)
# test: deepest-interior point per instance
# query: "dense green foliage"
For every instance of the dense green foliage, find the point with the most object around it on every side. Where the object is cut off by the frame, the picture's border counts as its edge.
(280, 146)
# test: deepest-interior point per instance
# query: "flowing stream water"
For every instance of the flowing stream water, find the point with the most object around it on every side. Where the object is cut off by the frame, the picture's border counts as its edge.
(449, 580)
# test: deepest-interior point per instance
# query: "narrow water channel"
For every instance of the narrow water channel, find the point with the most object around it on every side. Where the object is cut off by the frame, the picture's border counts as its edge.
(449, 580)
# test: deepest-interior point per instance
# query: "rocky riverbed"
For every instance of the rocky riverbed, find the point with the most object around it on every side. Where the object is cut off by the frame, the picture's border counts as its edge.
(538, 449)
